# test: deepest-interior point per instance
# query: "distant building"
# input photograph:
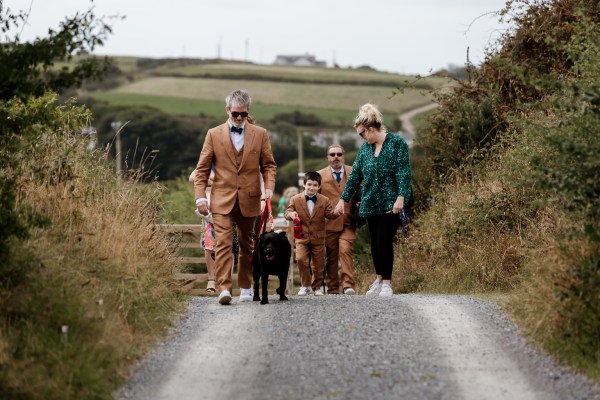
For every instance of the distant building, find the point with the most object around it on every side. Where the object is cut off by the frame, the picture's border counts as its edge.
(305, 60)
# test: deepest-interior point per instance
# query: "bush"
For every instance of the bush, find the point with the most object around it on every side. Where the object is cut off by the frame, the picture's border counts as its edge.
(579, 314)
(100, 269)
(572, 175)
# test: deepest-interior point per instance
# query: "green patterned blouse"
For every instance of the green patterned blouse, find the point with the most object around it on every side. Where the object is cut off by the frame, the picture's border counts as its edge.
(384, 177)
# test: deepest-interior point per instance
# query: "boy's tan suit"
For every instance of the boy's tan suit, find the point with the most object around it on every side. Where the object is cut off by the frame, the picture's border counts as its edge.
(311, 248)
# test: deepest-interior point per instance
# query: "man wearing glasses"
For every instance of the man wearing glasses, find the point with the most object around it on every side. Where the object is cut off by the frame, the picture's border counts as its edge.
(241, 152)
(340, 233)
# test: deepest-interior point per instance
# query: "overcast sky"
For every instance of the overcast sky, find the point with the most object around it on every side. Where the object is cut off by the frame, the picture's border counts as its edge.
(405, 36)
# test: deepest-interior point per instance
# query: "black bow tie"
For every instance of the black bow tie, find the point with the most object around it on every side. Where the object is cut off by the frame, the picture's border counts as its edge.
(237, 130)
(313, 198)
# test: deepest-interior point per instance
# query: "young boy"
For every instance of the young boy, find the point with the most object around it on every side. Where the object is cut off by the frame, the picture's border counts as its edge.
(312, 208)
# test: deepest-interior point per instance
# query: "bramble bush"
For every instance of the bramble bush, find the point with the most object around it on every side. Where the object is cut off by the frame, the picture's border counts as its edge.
(573, 177)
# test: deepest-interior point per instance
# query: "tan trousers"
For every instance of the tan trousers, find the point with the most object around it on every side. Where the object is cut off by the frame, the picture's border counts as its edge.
(224, 243)
(315, 255)
(339, 245)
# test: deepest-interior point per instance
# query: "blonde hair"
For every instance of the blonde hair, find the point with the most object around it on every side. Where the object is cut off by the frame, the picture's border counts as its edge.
(290, 191)
(369, 116)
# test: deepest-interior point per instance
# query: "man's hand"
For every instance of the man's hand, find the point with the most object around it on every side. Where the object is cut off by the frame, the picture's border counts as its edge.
(203, 208)
(268, 193)
(263, 204)
(292, 215)
(339, 208)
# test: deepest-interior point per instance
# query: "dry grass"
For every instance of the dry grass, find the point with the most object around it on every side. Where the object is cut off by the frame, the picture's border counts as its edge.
(544, 264)
(537, 304)
(453, 248)
(101, 270)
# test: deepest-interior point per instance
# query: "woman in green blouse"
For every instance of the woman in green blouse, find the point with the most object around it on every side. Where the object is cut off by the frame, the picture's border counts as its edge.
(383, 167)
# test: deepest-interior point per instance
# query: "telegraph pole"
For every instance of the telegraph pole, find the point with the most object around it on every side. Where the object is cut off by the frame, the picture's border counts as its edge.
(300, 159)
(116, 125)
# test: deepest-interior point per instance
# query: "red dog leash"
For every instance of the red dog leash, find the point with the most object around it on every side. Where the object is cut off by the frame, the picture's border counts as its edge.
(263, 219)
(263, 223)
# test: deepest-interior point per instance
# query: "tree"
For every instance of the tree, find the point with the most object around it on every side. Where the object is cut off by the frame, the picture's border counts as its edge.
(28, 68)
(27, 72)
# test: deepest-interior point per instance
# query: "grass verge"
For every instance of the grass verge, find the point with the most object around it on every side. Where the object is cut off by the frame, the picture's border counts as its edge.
(99, 287)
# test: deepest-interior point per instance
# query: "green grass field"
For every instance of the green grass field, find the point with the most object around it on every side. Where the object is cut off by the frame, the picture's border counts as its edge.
(191, 96)
(226, 70)
(195, 86)
(216, 108)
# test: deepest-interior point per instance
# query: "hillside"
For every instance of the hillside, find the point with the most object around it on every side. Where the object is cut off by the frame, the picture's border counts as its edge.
(171, 103)
(199, 87)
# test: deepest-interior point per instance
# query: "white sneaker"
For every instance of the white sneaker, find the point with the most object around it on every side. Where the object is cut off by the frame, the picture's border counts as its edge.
(375, 288)
(319, 292)
(349, 291)
(245, 295)
(304, 290)
(224, 297)
(386, 291)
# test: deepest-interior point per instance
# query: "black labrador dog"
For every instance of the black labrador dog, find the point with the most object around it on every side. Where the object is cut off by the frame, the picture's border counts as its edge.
(271, 257)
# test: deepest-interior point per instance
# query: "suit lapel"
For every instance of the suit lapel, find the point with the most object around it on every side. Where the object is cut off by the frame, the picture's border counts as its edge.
(345, 177)
(304, 206)
(226, 142)
(318, 206)
(249, 137)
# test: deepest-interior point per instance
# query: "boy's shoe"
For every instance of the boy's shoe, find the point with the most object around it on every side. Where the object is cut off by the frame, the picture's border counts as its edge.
(224, 297)
(319, 292)
(245, 295)
(349, 291)
(375, 288)
(303, 291)
(386, 291)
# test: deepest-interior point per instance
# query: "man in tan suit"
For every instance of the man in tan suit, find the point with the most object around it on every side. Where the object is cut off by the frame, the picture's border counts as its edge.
(340, 233)
(240, 152)
(313, 209)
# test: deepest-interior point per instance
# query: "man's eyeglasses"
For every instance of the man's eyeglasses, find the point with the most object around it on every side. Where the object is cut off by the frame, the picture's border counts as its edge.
(362, 134)
(336, 154)
(236, 114)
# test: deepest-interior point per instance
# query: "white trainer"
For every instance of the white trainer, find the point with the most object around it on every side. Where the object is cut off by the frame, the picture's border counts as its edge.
(245, 295)
(319, 292)
(375, 288)
(349, 291)
(224, 297)
(304, 290)
(386, 291)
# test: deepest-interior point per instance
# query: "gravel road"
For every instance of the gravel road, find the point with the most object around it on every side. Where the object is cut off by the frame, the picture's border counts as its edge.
(350, 347)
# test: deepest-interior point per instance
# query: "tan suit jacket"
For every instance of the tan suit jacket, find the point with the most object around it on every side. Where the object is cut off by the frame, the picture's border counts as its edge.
(339, 241)
(312, 244)
(313, 227)
(333, 191)
(232, 181)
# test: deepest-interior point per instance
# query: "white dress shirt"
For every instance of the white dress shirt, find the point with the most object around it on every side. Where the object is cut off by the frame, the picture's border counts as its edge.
(236, 138)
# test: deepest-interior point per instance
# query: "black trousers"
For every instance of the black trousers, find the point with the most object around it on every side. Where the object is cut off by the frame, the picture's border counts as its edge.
(382, 229)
